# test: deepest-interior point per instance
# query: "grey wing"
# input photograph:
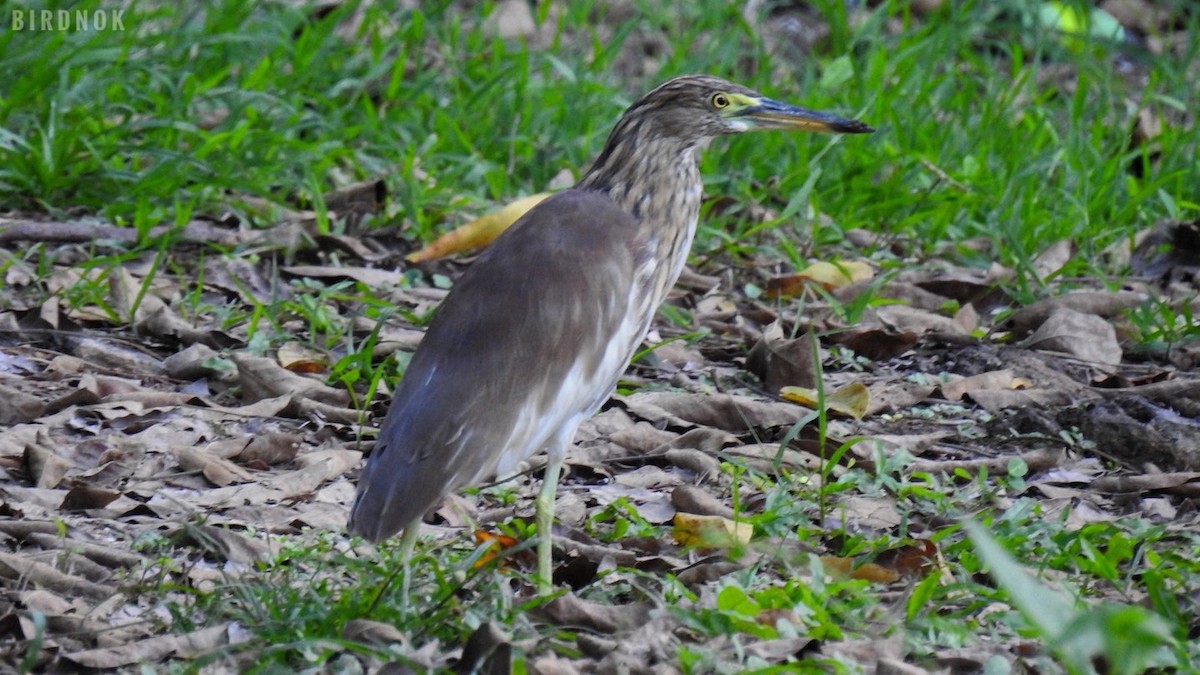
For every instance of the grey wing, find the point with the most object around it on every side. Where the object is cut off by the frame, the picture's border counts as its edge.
(521, 348)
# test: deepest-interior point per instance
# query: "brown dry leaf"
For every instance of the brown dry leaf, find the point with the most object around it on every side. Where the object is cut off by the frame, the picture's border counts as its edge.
(867, 654)
(242, 279)
(45, 468)
(905, 293)
(1167, 482)
(640, 437)
(570, 610)
(781, 362)
(896, 396)
(19, 568)
(1053, 259)
(698, 501)
(850, 400)
(299, 358)
(903, 319)
(1085, 336)
(912, 561)
(967, 318)
(17, 407)
(101, 554)
(822, 274)
(598, 554)
(876, 343)
(365, 631)
(648, 478)
(710, 531)
(722, 411)
(844, 568)
(196, 362)
(1101, 303)
(763, 457)
(263, 378)
(217, 470)
(863, 513)
(270, 449)
(128, 299)
(995, 400)
(226, 544)
(150, 398)
(479, 232)
(914, 444)
(1037, 460)
(964, 286)
(82, 497)
(163, 322)
(151, 650)
(368, 276)
(116, 356)
(704, 466)
(957, 388)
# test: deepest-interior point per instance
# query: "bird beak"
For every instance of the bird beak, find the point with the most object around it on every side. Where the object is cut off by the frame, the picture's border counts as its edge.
(767, 114)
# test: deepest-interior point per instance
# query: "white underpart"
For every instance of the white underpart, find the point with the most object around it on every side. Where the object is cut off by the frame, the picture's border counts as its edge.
(576, 397)
(576, 401)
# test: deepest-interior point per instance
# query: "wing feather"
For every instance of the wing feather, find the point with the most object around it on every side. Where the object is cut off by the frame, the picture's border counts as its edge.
(521, 348)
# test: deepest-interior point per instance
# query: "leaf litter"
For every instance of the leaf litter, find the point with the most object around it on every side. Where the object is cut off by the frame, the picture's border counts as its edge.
(190, 436)
(232, 449)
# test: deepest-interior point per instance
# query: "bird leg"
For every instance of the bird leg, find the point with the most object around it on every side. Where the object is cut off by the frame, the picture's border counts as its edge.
(545, 521)
(407, 544)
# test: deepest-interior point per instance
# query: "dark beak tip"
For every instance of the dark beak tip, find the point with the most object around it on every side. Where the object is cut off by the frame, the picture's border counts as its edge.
(854, 127)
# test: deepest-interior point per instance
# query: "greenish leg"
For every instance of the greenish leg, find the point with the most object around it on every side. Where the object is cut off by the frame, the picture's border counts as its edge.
(545, 521)
(407, 543)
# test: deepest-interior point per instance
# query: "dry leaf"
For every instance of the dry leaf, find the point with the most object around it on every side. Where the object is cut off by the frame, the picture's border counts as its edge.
(1101, 303)
(1053, 259)
(299, 358)
(825, 275)
(496, 544)
(1085, 336)
(845, 568)
(710, 531)
(479, 232)
(570, 610)
(152, 649)
(44, 467)
(851, 400)
(876, 343)
(957, 388)
(780, 362)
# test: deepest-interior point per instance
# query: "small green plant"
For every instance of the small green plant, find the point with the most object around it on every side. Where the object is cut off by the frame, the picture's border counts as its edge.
(1129, 638)
(1161, 324)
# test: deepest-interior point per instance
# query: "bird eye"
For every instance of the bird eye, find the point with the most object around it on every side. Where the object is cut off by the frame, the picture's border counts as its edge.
(720, 101)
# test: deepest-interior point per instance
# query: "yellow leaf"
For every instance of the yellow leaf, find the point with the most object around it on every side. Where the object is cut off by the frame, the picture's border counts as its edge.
(851, 400)
(479, 232)
(710, 531)
(827, 275)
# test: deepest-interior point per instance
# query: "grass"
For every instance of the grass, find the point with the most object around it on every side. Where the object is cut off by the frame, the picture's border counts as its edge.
(193, 111)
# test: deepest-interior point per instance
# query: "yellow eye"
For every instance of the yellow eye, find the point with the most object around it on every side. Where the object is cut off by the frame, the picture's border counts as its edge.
(720, 101)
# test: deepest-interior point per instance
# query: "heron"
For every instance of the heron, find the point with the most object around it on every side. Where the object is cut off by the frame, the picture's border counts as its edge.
(534, 335)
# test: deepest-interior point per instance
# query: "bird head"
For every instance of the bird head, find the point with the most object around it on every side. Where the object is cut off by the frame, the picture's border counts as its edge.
(693, 108)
